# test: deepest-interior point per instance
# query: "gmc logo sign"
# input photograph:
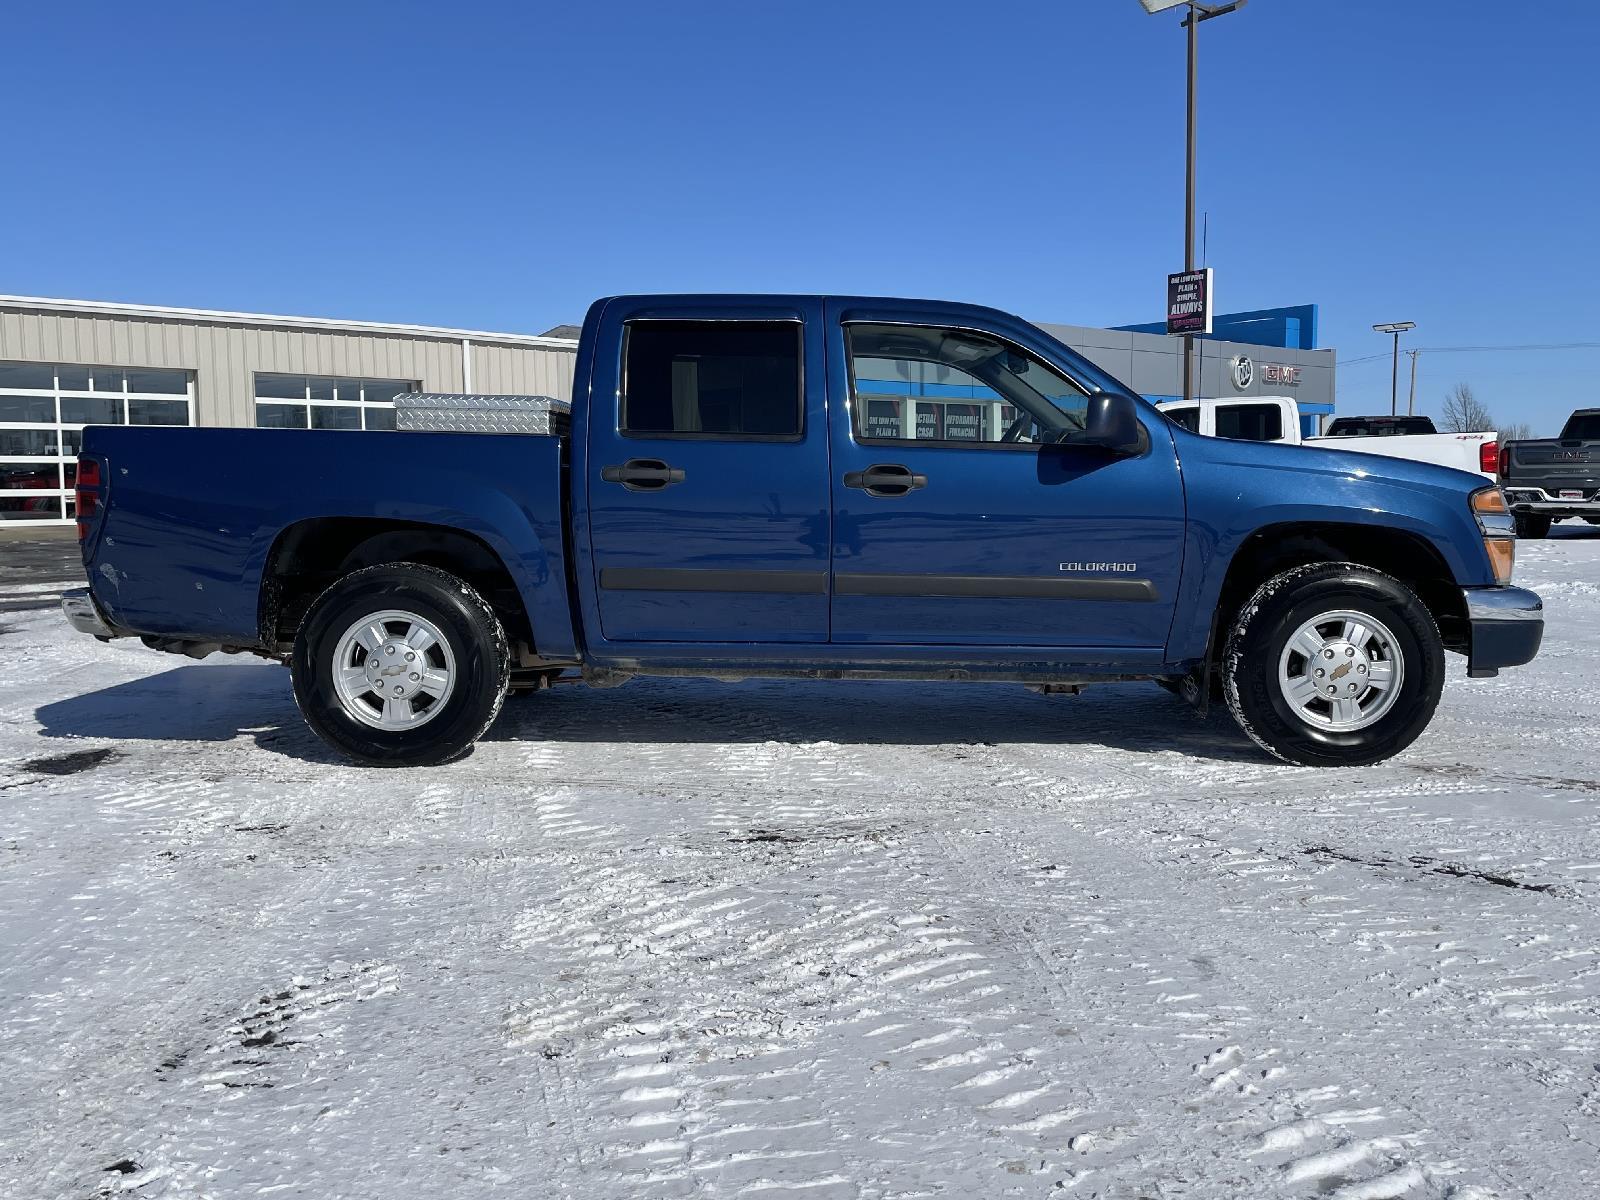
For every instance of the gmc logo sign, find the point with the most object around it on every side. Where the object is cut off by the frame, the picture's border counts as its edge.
(1277, 373)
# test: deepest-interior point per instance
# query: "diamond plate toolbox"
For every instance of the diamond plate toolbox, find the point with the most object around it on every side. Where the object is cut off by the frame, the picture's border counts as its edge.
(451, 412)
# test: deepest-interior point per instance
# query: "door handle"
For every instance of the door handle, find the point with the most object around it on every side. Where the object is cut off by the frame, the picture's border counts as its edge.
(886, 479)
(643, 475)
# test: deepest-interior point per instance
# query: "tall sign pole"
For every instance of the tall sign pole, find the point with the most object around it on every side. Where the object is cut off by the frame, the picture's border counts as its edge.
(1189, 320)
(1193, 26)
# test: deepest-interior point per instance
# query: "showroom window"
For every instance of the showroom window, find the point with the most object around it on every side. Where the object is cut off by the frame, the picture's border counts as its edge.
(43, 409)
(327, 402)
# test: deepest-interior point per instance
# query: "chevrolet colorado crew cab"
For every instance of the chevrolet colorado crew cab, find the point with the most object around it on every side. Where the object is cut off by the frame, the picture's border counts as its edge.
(813, 487)
(1550, 479)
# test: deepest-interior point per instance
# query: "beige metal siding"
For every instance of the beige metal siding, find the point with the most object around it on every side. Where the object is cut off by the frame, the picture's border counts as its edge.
(523, 371)
(226, 357)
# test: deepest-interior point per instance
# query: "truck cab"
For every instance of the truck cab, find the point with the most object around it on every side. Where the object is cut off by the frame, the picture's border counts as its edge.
(1242, 418)
(817, 487)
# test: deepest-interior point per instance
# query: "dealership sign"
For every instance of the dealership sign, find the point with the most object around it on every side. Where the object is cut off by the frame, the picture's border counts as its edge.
(1189, 302)
(1244, 371)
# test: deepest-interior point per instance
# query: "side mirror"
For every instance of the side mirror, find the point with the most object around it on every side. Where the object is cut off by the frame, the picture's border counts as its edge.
(1113, 422)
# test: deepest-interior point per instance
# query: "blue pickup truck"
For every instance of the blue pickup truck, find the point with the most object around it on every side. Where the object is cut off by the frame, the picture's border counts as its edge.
(811, 487)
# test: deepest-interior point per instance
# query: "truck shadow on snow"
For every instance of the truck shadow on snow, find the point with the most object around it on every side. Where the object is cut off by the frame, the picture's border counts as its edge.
(219, 701)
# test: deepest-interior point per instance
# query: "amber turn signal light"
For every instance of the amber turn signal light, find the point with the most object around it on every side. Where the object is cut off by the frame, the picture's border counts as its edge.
(1490, 500)
(1502, 557)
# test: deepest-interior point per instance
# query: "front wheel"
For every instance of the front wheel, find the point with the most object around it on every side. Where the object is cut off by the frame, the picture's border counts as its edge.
(1333, 664)
(400, 665)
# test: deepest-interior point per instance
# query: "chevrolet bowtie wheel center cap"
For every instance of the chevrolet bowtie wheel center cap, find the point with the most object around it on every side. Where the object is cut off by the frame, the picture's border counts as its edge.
(1341, 671)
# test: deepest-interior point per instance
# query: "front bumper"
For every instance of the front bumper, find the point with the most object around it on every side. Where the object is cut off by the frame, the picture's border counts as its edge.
(1506, 624)
(84, 615)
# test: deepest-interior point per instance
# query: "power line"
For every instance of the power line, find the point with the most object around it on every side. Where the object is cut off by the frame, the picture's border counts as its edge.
(1351, 362)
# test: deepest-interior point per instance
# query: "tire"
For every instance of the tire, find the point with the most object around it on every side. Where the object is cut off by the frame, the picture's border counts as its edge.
(1401, 644)
(453, 688)
(1532, 525)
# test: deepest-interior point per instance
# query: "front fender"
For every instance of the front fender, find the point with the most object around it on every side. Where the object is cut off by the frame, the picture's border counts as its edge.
(1238, 489)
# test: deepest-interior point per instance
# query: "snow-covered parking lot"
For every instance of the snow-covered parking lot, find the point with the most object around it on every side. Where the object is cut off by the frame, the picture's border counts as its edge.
(794, 940)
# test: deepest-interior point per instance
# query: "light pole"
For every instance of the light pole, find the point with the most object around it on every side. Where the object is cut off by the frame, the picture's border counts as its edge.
(1396, 328)
(1197, 12)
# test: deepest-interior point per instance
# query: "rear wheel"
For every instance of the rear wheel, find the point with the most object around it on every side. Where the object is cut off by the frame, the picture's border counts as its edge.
(1532, 525)
(1333, 664)
(400, 665)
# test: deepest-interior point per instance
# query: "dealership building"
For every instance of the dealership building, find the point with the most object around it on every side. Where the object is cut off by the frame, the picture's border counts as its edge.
(65, 364)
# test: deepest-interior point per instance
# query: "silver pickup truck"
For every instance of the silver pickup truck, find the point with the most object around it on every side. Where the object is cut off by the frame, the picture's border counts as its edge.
(1554, 478)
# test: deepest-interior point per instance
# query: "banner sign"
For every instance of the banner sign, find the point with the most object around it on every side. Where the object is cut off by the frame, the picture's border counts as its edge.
(1189, 302)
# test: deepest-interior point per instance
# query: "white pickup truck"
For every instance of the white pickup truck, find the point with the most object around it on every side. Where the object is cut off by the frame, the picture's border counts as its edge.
(1277, 419)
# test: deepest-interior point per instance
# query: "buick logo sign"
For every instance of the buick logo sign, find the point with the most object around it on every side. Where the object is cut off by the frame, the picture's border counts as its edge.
(1244, 372)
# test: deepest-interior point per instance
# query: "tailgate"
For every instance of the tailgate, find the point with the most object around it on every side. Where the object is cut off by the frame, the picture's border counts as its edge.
(1554, 465)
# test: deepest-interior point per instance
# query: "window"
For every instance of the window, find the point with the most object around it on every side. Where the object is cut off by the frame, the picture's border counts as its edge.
(712, 379)
(325, 402)
(1380, 426)
(929, 384)
(1582, 426)
(1189, 417)
(43, 409)
(1250, 422)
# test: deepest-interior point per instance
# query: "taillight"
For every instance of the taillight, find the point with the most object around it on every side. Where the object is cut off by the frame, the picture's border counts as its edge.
(1489, 457)
(86, 493)
(1504, 467)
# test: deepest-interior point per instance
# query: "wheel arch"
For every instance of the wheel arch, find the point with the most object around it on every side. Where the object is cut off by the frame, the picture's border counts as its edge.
(1408, 557)
(309, 555)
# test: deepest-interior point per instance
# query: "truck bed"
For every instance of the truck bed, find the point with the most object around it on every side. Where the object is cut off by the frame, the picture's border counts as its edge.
(1459, 450)
(183, 552)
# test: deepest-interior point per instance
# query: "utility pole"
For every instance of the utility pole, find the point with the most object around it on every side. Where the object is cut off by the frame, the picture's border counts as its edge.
(1411, 401)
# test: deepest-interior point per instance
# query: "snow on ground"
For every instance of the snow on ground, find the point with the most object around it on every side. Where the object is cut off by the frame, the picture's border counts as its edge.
(794, 940)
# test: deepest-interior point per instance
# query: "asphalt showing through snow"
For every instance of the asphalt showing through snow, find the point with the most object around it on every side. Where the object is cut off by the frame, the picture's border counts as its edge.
(33, 572)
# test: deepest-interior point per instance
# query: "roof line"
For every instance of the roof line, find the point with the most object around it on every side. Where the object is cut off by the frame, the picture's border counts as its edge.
(110, 309)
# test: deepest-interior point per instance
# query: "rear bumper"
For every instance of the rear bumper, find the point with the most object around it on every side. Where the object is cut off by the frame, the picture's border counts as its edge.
(84, 615)
(1507, 625)
(1525, 499)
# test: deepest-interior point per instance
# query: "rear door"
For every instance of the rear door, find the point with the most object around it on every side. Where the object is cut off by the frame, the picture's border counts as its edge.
(706, 472)
(959, 521)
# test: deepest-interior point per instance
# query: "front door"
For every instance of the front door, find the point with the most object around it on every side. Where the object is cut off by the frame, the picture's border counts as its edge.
(963, 512)
(707, 473)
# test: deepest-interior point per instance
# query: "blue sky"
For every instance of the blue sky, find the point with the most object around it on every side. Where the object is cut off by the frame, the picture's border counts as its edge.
(499, 165)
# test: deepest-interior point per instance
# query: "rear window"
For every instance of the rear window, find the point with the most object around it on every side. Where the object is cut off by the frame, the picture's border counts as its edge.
(1583, 425)
(1250, 422)
(1380, 426)
(712, 379)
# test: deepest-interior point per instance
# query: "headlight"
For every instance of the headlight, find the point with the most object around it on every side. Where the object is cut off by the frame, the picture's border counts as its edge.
(1499, 531)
